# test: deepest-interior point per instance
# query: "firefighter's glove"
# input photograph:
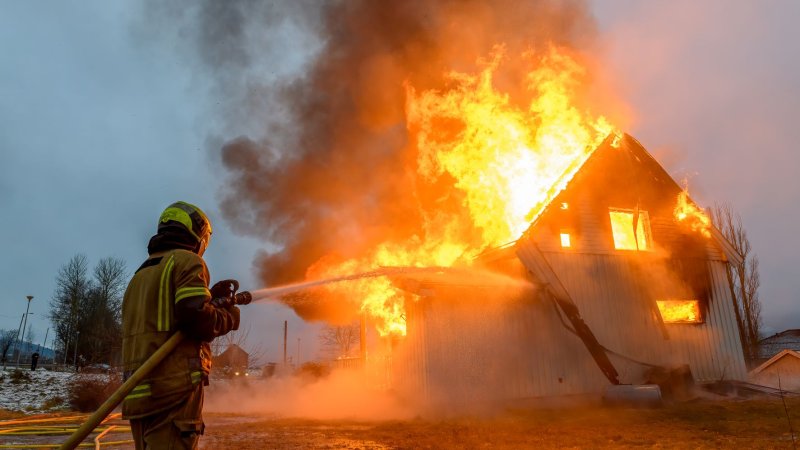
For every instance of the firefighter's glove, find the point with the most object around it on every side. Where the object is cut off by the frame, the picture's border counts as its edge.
(234, 312)
(222, 302)
(224, 288)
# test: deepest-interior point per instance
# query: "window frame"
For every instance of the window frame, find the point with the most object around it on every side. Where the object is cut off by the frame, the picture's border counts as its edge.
(701, 319)
(644, 222)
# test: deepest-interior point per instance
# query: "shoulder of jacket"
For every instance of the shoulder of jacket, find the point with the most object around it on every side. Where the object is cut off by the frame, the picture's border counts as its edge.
(187, 256)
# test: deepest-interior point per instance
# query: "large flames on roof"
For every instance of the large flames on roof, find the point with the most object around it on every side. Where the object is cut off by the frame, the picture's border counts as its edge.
(486, 165)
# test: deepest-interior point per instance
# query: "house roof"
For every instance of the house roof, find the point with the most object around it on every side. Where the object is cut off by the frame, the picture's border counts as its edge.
(787, 353)
(787, 339)
(641, 160)
(784, 336)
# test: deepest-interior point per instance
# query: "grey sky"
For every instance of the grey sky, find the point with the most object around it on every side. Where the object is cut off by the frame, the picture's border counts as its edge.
(100, 131)
(100, 128)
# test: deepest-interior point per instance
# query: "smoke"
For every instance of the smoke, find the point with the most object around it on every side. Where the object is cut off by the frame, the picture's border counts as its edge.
(340, 395)
(311, 100)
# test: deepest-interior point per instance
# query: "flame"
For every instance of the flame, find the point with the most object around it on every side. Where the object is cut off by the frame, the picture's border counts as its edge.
(501, 163)
(689, 214)
(623, 231)
(679, 311)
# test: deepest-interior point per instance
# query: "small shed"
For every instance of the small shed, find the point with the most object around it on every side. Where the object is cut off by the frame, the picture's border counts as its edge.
(606, 254)
(782, 371)
(233, 357)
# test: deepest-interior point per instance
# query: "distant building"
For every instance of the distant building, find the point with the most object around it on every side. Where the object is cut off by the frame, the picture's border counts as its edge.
(781, 371)
(233, 357)
(771, 346)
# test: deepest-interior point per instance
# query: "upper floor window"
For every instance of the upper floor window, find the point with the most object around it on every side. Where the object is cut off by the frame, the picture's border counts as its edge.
(631, 229)
(565, 240)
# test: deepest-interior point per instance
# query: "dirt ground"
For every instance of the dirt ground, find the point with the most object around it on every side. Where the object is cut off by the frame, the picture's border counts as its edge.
(699, 424)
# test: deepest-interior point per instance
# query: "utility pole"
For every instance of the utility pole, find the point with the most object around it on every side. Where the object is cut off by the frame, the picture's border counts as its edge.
(16, 340)
(362, 338)
(26, 330)
(285, 328)
(43, 344)
(298, 352)
(29, 297)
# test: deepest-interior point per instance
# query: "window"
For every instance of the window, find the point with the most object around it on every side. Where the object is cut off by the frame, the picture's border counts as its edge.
(622, 227)
(565, 240)
(679, 311)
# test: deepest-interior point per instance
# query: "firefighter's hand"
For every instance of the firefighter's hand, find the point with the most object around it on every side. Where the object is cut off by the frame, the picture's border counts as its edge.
(221, 302)
(224, 288)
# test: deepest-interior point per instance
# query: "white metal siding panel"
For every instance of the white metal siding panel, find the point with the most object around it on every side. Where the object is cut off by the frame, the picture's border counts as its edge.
(479, 348)
(620, 313)
(733, 344)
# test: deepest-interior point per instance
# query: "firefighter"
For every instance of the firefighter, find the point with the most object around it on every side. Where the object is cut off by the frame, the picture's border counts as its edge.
(169, 292)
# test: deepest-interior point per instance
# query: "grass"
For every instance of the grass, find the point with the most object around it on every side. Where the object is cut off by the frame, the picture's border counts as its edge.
(7, 415)
(700, 424)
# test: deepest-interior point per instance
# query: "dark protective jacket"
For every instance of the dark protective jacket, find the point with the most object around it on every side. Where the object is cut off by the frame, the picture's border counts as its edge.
(169, 292)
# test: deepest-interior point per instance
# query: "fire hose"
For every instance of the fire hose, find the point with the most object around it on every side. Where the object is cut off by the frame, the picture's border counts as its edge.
(242, 298)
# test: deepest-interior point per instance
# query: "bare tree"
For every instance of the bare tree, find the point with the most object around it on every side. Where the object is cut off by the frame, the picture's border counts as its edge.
(337, 341)
(7, 338)
(72, 287)
(744, 278)
(110, 277)
(86, 312)
(101, 317)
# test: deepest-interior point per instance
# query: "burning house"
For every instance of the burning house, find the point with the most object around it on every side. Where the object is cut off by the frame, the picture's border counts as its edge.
(626, 275)
(613, 270)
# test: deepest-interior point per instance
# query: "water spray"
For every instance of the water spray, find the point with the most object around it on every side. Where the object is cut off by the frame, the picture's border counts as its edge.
(275, 293)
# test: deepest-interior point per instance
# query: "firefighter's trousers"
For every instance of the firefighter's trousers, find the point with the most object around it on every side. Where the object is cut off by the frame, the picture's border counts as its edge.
(174, 429)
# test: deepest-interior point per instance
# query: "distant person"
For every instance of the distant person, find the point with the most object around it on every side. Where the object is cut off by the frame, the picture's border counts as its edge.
(169, 292)
(34, 360)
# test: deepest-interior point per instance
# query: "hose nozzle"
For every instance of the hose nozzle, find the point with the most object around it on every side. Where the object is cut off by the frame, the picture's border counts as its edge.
(243, 298)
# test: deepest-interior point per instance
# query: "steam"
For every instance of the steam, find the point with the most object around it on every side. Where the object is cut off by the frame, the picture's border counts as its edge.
(312, 100)
(341, 395)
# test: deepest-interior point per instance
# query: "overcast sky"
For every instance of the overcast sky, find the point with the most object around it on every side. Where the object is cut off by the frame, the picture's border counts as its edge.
(101, 128)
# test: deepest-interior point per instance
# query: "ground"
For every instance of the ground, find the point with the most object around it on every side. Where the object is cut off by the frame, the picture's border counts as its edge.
(750, 424)
(701, 423)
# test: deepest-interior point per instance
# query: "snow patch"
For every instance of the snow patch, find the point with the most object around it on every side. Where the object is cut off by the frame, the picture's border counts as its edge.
(33, 391)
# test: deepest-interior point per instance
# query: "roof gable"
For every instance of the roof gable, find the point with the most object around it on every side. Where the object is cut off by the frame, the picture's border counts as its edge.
(622, 173)
(232, 350)
(783, 354)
